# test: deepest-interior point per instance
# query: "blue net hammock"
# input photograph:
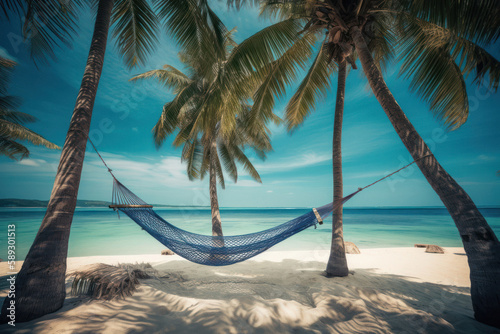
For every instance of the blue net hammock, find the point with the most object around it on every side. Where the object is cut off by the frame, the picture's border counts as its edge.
(217, 250)
(212, 250)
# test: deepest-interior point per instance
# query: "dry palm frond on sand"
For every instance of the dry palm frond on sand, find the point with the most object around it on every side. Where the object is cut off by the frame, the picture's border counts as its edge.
(104, 281)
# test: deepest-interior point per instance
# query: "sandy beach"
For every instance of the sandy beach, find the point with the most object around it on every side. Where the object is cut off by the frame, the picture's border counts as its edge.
(389, 290)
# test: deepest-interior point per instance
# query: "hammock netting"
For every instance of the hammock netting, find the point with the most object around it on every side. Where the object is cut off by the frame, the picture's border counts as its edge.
(212, 250)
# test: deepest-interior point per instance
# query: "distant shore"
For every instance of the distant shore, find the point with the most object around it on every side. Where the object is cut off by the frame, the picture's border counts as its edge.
(389, 290)
(31, 204)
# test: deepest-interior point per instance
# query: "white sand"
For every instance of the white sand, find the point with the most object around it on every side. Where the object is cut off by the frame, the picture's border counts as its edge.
(391, 290)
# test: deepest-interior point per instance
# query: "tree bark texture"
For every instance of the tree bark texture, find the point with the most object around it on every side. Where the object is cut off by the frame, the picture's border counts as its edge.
(480, 242)
(337, 262)
(40, 284)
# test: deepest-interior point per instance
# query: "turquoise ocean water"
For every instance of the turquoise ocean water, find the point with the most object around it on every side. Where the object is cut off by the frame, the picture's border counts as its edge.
(98, 231)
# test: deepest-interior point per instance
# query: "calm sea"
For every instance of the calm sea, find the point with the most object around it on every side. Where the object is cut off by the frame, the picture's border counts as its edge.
(98, 231)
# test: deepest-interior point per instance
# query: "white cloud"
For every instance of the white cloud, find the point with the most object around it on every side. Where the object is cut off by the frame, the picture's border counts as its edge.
(286, 164)
(32, 162)
(168, 171)
(482, 158)
(245, 183)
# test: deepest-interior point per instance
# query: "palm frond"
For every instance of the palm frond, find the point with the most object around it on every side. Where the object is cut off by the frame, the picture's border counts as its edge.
(169, 76)
(312, 87)
(258, 139)
(228, 160)
(218, 168)
(103, 281)
(169, 118)
(477, 21)
(434, 75)
(238, 4)
(216, 27)
(381, 39)
(15, 131)
(278, 75)
(470, 57)
(284, 9)
(6, 66)
(10, 7)
(8, 105)
(12, 149)
(247, 165)
(205, 164)
(48, 25)
(220, 85)
(192, 154)
(135, 30)
(186, 22)
(264, 47)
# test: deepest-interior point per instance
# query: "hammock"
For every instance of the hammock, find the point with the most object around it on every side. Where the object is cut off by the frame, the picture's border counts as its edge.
(212, 250)
(216, 250)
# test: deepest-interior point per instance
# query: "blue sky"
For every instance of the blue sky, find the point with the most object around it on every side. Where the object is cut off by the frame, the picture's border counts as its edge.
(297, 174)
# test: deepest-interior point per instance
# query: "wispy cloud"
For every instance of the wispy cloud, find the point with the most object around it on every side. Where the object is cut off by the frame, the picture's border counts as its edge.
(32, 162)
(167, 171)
(291, 163)
(244, 183)
(483, 158)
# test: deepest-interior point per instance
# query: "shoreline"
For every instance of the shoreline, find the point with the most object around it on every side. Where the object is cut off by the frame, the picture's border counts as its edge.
(388, 289)
(394, 264)
(302, 256)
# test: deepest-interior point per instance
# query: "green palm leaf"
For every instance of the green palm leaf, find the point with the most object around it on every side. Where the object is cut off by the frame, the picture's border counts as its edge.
(135, 30)
(11, 120)
(6, 66)
(192, 154)
(312, 87)
(47, 24)
(470, 57)
(185, 22)
(169, 76)
(247, 165)
(18, 132)
(12, 149)
(436, 60)
(228, 160)
(264, 47)
(218, 169)
(169, 118)
(15, 116)
(278, 75)
(477, 21)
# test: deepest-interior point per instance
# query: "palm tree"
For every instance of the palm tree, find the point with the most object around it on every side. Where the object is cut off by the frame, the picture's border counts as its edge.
(41, 281)
(212, 118)
(439, 46)
(11, 121)
(333, 50)
(337, 261)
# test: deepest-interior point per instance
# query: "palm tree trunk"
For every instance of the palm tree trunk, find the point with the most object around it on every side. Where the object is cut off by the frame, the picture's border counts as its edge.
(214, 201)
(337, 263)
(40, 284)
(480, 243)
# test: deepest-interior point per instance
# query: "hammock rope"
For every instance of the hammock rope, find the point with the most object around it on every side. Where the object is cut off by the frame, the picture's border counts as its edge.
(215, 250)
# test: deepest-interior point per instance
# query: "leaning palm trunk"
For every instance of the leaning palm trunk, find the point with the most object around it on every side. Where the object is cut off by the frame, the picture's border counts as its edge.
(480, 243)
(337, 263)
(40, 285)
(214, 201)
